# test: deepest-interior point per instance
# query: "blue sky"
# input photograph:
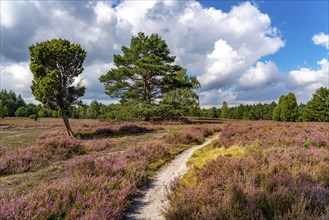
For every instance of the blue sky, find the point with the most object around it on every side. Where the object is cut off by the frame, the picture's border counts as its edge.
(241, 51)
(297, 21)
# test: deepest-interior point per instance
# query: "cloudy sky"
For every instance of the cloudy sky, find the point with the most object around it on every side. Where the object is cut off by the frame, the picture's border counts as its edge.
(241, 52)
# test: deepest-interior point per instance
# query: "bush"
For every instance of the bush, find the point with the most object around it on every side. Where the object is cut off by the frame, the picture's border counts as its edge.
(34, 117)
(277, 178)
(192, 135)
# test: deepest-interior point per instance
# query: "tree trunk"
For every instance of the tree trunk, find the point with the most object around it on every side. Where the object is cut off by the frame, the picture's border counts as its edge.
(147, 117)
(67, 125)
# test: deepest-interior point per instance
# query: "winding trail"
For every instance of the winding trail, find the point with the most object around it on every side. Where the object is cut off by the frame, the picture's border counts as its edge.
(152, 199)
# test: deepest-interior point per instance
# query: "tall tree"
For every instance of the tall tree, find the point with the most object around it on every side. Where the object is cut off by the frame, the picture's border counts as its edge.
(317, 109)
(143, 73)
(224, 110)
(3, 109)
(55, 65)
(287, 108)
(185, 99)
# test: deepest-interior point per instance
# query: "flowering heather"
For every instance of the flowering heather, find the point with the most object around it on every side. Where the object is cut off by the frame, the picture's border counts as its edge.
(107, 129)
(97, 144)
(34, 157)
(274, 134)
(195, 134)
(150, 151)
(22, 160)
(279, 183)
(64, 147)
(276, 179)
(93, 187)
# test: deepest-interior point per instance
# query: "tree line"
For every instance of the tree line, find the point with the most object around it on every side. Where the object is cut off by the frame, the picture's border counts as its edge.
(145, 79)
(317, 109)
(287, 109)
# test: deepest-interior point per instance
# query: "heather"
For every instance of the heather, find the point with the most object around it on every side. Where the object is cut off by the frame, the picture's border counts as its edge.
(194, 134)
(275, 134)
(96, 178)
(274, 178)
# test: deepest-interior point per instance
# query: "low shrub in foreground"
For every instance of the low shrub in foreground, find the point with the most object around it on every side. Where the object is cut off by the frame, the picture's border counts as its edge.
(34, 157)
(22, 160)
(289, 183)
(283, 174)
(91, 187)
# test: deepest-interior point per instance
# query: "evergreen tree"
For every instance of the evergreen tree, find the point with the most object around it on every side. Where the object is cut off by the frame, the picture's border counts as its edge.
(144, 72)
(55, 65)
(287, 108)
(317, 109)
(224, 110)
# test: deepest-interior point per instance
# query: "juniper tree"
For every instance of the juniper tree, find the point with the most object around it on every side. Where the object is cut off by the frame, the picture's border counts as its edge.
(55, 65)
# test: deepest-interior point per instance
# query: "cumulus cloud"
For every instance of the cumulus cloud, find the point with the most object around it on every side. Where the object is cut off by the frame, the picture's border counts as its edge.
(321, 39)
(263, 74)
(16, 77)
(305, 81)
(222, 48)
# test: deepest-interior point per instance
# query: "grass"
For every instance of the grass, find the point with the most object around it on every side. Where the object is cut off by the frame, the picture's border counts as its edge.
(209, 152)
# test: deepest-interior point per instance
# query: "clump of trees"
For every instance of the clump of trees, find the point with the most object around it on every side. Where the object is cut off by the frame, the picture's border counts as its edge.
(10, 103)
(55, 65)
(287, 109)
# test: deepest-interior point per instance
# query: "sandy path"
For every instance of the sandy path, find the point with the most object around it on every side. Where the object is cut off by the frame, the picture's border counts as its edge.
(152, 199)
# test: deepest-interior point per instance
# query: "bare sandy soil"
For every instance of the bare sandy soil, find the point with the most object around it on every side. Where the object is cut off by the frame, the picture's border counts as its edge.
(152, 199)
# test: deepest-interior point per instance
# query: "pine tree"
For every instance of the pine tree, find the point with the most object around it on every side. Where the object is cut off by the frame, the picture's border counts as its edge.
(317, 109)
(144, 73)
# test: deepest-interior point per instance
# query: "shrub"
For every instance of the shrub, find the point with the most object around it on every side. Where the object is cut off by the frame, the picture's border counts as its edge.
(274, 134)
(191, 135)
(22, 160)
(276, 179)
(64, 147)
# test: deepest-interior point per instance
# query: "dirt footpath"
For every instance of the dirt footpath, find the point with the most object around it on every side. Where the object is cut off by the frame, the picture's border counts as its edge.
(150, 203)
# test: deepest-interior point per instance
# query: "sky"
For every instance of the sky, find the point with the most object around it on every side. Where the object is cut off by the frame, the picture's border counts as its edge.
(242, 52)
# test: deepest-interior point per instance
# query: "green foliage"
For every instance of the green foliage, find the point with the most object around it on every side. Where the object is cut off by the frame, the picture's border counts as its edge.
(10, 103)
(34, 117)
(3, 109)
(22, 112)
(183, 101)
(287, 109)
(55, 65)
(94, 109)
(317, 109)
(145, 72)
(224, 110)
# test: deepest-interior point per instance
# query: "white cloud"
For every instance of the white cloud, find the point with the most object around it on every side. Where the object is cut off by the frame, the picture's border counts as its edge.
(263, 74)
(225, 65)
(321, 39)
(305, 81)
(16, 77)
(216, 97)
(222, 48)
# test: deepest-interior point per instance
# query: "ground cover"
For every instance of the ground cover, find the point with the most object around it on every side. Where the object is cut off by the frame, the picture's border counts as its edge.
(279, 172)
(96, 176)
